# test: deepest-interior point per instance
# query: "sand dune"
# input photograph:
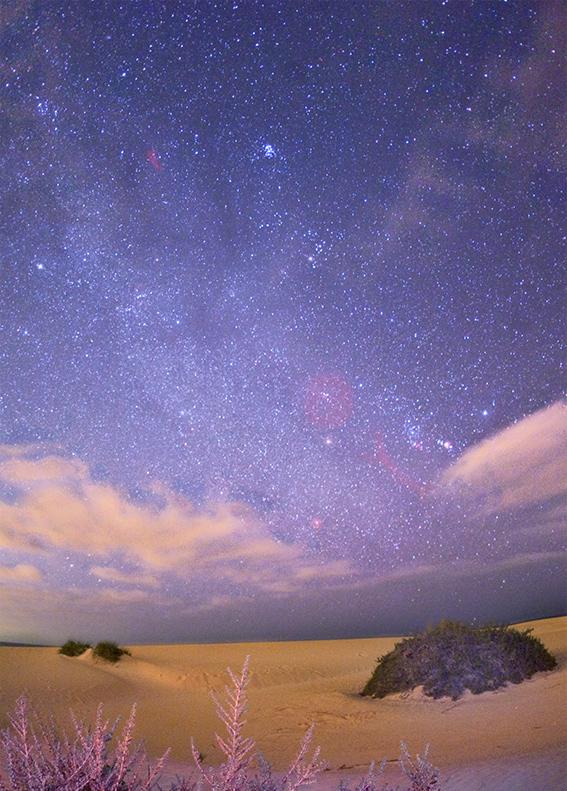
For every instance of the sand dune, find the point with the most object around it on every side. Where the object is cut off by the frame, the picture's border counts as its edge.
(482, 739)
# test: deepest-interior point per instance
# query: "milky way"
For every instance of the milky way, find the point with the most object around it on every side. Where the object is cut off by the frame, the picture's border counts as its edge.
(271, 274)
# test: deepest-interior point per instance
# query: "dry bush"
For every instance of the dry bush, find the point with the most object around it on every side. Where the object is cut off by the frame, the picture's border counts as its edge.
(453, 657)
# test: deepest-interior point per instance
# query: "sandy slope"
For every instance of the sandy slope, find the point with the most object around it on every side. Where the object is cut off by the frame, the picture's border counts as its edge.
(479, 741)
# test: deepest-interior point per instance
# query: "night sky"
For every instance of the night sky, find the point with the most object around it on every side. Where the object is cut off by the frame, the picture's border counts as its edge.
(281, 317)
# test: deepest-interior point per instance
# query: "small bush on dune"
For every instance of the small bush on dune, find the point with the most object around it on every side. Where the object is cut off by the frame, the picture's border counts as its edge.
(73, 648)
(38, 759)
(110, 651)
(453, 657)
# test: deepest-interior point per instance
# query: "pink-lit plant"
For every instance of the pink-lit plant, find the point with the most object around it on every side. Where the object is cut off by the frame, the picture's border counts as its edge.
(233, 774)
(36, 758)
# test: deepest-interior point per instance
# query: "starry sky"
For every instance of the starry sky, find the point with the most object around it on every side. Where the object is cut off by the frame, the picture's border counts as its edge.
(280, 317)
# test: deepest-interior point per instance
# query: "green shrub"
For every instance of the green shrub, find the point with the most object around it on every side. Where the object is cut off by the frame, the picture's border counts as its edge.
(73, 648)
(109, 651)
(452, 657)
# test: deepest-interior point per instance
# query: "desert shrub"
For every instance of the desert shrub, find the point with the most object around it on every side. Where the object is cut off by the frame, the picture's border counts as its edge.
(109, 651)
(73, 648)
(453, 657)
(36, 758)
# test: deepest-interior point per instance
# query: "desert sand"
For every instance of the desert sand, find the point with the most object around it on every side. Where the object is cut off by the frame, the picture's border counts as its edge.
(513, 738)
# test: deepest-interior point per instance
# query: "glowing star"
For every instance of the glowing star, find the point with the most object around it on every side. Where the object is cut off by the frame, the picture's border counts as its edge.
(316, 523)
(328, 441)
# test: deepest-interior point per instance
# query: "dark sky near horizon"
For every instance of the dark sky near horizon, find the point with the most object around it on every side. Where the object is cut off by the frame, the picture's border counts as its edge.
(281, 316)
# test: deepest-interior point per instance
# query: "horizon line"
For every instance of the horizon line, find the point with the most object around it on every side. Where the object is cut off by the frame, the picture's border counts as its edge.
(22, 644)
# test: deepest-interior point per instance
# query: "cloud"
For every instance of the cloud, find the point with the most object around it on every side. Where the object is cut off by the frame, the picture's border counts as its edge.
(59, 506)
(109, 596)
(525, 559)
(56, 508)
(461, 569)
(338, 568)
(54, 615)
(156, 562)
(111, 574)
(18, 467)
(521, 466)
(22, 572)
(522, 92)
(17, 451)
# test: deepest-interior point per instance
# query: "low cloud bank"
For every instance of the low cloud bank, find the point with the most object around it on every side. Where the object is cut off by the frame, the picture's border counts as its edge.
(81, 557)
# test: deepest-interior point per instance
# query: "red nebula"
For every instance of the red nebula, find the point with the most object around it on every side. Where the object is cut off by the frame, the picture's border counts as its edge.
(328, 401)
(153, 159)
(381, 457)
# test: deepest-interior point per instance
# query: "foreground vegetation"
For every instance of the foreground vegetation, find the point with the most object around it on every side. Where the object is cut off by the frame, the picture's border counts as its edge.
(36, 758)
(73, 648)
(107, 650)
(453, 657)
(110, 651)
